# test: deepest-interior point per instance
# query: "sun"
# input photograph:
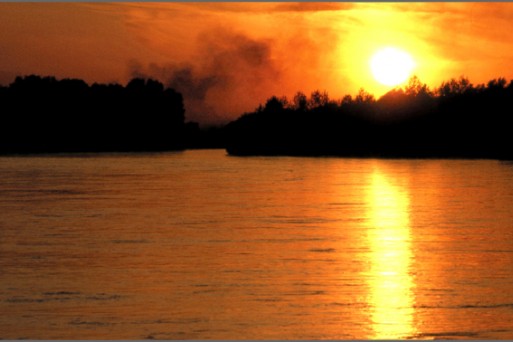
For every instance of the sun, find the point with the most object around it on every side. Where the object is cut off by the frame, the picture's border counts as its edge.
(391, 66)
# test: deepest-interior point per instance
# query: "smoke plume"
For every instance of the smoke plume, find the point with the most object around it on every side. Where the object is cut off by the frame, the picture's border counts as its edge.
(229, 72)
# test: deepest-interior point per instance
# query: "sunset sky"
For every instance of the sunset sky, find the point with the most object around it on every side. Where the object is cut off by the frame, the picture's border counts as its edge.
(226, 58)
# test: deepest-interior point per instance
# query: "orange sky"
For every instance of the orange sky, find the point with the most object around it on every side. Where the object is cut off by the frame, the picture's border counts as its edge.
(226, 58)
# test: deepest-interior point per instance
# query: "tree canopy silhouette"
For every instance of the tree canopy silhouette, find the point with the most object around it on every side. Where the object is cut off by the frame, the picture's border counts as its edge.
(43, 114)
(457, 119)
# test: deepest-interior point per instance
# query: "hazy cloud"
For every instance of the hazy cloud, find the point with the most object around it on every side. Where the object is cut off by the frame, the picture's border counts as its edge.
(312, 7)
(229, 68)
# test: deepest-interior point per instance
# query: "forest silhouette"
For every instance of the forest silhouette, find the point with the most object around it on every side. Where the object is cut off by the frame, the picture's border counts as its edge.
(45, 115)
(457, 119)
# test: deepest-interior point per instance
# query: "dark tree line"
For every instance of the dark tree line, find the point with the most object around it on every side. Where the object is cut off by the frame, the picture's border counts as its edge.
(43, 114)
(457, 119)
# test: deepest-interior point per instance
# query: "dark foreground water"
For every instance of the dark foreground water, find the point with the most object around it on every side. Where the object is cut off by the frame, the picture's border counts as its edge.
(199, 245)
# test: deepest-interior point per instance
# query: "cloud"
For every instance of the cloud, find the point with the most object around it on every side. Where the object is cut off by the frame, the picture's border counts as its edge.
(268, 8)
(229, 70)
(312, 7)
(228, 64)
(466, 38)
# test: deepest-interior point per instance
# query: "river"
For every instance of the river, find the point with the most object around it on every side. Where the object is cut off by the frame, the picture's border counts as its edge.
(201, 245)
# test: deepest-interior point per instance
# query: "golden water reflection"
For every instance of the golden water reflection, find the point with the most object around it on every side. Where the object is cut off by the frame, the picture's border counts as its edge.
(390, 281)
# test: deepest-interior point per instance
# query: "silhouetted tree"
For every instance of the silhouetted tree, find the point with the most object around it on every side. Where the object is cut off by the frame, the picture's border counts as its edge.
(275, 104)
(364, 97)
(300, 102)
(416, 88)
(318, 99)
(499, 83)
(454, 87)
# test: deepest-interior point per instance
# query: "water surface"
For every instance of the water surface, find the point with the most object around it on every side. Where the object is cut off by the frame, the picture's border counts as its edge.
(200, 245)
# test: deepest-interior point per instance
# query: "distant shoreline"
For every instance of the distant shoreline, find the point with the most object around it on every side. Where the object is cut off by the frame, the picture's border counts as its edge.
(368, 156)
(243, 155)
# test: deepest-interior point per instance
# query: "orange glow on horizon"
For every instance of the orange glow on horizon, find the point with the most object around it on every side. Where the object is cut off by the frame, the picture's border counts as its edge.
(382, 27)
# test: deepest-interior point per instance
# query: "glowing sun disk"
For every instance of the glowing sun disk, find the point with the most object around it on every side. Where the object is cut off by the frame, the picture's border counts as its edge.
(391, 66)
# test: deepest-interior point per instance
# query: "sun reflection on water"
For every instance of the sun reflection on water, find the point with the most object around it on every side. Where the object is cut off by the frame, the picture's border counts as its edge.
(390, 281)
